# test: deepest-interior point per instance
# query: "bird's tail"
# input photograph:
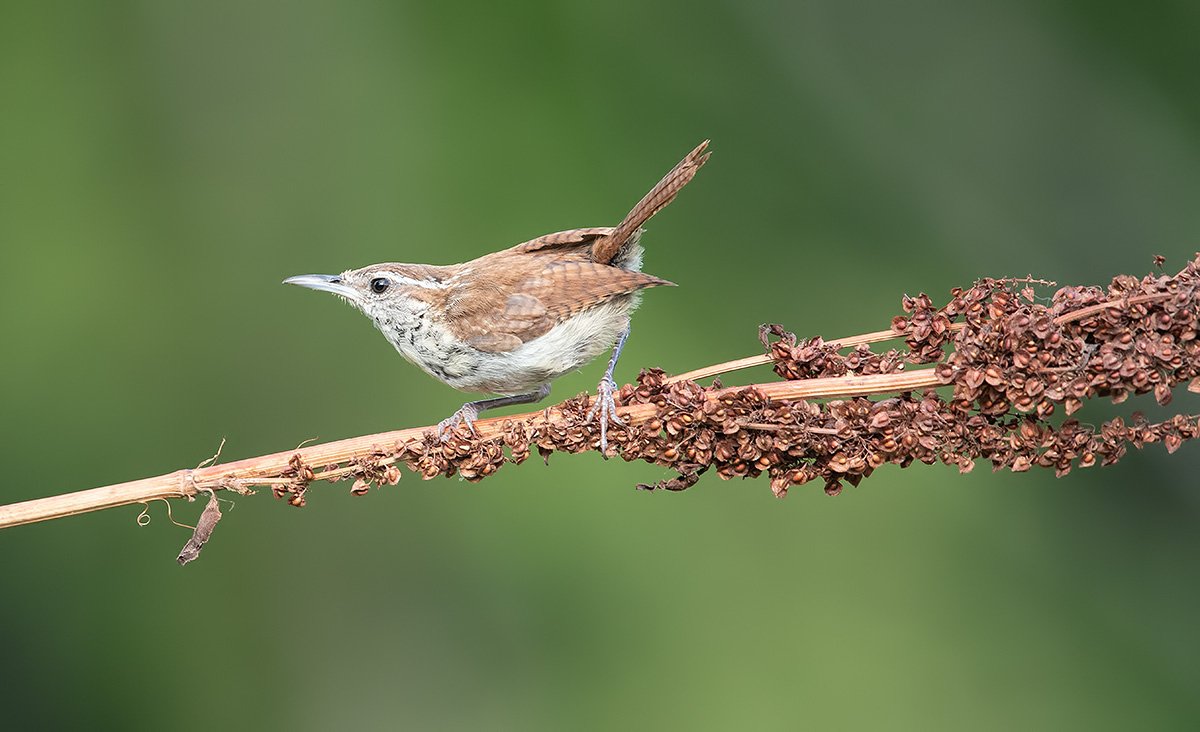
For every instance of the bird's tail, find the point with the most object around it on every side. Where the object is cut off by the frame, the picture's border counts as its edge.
(659, 196)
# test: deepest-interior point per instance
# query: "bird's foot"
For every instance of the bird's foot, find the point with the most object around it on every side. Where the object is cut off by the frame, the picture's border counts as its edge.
(607, 408)
(466, 414)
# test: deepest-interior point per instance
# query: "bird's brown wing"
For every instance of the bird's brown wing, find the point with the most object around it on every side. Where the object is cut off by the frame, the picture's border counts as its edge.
(537, 293)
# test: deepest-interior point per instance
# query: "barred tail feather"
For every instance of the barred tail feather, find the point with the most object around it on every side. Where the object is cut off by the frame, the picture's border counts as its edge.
(606, 247)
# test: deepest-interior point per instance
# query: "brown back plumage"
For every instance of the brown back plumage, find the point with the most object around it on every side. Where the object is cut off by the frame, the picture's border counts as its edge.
(532, 293)
(540, 283)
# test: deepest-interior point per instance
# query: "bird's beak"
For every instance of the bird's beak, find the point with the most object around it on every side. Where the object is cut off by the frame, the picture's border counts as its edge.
(327, 283)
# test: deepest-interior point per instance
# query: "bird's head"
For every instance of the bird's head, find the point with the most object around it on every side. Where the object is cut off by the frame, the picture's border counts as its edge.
(392, 295)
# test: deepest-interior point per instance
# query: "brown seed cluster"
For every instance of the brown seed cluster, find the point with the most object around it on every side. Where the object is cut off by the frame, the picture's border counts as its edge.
(294, 491)
(814, 358)
(1007, 356)
(1016, 353)
(742, 434)
(690, 433)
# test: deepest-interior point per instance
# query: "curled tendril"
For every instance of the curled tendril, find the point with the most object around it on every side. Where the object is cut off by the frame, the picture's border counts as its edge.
(143, 518)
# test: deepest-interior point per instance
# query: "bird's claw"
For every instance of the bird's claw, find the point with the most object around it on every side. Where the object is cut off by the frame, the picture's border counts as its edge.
(466, 414)
(607, 407)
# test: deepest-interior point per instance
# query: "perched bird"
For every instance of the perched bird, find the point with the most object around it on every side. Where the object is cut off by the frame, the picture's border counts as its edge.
(512, 321)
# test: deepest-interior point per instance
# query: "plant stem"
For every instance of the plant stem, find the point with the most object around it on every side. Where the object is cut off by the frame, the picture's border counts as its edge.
(241, 475)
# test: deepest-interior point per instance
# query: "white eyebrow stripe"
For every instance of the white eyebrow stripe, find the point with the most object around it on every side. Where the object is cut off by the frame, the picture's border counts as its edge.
(427, 284)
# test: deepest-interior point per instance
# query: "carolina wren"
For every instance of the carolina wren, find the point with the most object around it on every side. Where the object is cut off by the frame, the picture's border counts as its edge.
(512, 321)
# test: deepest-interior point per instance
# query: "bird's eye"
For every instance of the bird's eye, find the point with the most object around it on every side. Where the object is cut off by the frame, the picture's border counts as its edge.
(379, 285)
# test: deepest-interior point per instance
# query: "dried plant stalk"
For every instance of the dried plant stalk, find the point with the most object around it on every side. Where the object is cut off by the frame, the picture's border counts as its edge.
(369, 456)
(1008, 360)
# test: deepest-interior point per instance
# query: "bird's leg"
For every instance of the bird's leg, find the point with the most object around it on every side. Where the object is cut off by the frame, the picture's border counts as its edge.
(604, 403)
(468, 412)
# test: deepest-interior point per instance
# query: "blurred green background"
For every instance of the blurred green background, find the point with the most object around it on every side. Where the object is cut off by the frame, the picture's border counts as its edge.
(163, 165)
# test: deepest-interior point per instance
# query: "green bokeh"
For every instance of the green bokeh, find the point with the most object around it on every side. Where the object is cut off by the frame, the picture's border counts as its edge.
(163, 165)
